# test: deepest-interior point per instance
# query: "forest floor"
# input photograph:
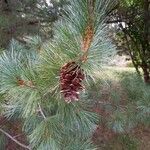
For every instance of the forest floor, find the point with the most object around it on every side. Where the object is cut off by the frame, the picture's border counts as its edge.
(112, 88)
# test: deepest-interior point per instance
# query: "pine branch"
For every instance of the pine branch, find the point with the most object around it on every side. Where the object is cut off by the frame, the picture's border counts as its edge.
(34, 81)
(41, 111)
(13, 139)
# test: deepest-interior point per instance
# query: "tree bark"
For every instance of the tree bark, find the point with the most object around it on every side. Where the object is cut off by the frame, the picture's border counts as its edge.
(145, 46)
(146, 23)
(146, 72)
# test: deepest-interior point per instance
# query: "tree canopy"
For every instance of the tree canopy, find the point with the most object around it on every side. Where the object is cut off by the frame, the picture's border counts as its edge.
(132, 19)
(20, 18)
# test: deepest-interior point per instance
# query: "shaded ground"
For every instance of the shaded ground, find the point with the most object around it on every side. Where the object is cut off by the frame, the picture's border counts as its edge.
(113, 93)
(106, 139)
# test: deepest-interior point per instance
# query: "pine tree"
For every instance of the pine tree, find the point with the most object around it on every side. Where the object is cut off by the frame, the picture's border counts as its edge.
(22, 18)
(46, 88)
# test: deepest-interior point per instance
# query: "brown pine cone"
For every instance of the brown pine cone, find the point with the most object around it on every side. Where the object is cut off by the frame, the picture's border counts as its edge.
(71, 77)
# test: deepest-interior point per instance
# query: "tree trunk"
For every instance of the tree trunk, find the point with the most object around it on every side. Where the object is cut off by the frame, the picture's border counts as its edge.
(145, 46)
(146, 23)
(146, 73)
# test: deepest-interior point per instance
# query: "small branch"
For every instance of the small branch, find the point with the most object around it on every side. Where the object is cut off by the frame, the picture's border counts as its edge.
(13, 139)
(17, 136)
(41, 111)
(21, 40)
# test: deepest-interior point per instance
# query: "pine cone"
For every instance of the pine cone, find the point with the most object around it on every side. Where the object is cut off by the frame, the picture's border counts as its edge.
(71, 77)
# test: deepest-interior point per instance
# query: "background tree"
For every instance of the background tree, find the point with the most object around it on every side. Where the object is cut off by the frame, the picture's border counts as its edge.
(22, 18)
(132, 20)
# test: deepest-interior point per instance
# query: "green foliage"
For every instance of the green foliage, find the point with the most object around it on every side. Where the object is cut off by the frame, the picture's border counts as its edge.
(80, 145)
(3, 141)
(129, 3)
(131, 18)
(123, 142)
(139, 94)
(128, 142)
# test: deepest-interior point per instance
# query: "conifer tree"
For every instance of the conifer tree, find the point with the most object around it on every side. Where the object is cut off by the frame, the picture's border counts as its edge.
(22, 18)
(45, 87)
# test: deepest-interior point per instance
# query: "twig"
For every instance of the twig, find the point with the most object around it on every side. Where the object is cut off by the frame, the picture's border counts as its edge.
(17, 135)
(13, 139)
(41, 111)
